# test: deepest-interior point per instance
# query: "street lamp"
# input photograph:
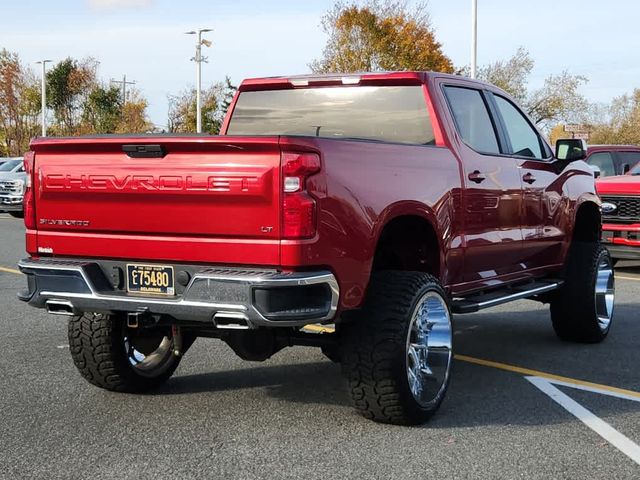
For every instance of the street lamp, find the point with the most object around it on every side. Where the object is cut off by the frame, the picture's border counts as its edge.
(199, 59)
(474, 37)
(43, 95)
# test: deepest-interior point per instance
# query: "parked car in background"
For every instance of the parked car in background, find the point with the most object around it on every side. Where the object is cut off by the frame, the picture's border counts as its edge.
(12, 185)
(621, 214)
(613, 159)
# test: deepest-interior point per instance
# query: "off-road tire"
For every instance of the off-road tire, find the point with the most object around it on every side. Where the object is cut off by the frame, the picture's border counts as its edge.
(99, 354)
(573, 308)
(373, 348)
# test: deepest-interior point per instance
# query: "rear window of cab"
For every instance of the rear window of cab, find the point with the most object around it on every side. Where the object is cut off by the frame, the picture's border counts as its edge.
(395, 114)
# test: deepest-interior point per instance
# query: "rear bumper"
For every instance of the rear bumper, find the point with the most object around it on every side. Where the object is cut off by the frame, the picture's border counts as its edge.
(221, 297)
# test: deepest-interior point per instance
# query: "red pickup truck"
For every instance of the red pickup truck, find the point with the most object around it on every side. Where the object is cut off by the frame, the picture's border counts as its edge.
(381, 203)
(621, 214)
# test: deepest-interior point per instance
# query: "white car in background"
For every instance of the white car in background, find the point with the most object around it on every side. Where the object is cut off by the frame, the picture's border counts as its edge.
(12, 183)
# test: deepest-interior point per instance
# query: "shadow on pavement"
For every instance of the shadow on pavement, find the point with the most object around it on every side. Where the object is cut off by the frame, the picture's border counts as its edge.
(478, 395)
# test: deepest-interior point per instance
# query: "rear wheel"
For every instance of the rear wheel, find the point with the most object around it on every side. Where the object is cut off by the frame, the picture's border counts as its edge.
(582, 310)
(397, 351)
(112, 356)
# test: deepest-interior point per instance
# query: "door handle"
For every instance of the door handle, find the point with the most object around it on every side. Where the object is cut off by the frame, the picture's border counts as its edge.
(529, 178)
(477, 177)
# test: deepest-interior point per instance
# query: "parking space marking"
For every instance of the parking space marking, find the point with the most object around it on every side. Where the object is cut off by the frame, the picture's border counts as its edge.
(635, 279)
(560, 380)
(602, 428)
(9, 270)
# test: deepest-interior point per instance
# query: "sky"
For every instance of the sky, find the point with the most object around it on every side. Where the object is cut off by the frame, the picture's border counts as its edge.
(145, 39)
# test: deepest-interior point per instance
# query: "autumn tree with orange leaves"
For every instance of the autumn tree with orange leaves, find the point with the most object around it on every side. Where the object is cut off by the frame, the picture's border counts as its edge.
(380, 35)
(19, 105)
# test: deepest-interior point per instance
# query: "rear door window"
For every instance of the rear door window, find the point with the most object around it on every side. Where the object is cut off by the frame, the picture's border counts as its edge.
(604, 161)
(472, 119)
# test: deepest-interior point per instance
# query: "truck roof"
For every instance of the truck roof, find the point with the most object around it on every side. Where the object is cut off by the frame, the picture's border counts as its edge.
(332, 79)
(612, 148)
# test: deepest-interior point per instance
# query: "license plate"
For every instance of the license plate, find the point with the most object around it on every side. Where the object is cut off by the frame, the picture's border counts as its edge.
(153, 279)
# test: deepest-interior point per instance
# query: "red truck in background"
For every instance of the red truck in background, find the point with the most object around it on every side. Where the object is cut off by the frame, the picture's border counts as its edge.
(621, 214)
(611, 160)
(382, 203)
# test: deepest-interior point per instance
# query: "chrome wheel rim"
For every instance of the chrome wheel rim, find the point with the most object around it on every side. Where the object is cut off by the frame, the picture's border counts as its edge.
(150, 364)
(604, 292)
(428, 347)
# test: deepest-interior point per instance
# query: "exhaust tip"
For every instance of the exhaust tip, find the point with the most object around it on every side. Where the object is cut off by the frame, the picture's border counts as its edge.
(60, 307)
(231, 320)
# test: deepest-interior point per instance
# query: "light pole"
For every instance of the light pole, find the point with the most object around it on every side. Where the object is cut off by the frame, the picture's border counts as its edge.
(474, 37)
(199, 59)
(43, 95)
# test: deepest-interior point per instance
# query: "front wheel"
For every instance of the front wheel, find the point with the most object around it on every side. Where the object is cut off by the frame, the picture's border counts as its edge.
(397, 351)
(582, 310)
(17, 214)
(112, 356)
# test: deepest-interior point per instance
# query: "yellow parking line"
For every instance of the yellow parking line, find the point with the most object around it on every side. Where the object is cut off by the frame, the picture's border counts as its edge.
(549, 376)
(635, 279)
(513, 368)
(10, 270)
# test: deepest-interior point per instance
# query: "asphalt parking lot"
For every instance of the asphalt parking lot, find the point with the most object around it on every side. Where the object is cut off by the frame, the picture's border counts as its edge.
(289, 417)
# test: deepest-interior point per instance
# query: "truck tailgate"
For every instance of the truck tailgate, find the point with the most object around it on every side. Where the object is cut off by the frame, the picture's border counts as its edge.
(211, 188)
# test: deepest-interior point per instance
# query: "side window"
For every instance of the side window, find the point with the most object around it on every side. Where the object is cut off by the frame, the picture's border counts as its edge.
(604, 162)
(627, 158)
(472, 119)
(524, 139)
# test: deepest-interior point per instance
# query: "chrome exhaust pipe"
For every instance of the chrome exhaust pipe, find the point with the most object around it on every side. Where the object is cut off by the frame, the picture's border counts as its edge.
(60, 307)
(231, 320)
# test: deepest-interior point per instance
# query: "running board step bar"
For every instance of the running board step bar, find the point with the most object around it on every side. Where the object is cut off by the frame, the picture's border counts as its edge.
(498, 297)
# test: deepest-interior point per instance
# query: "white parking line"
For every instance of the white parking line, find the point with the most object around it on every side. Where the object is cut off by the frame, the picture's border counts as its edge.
(602, 428)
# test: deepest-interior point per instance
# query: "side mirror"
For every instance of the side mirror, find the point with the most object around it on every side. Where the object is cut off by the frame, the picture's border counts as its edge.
(571, 149)
(625, 168)
(596, 171)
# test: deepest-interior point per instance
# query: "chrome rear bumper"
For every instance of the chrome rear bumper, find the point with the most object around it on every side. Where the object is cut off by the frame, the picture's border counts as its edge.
(224, 297)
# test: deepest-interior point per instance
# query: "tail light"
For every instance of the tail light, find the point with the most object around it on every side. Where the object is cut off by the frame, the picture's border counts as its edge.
(299, 208)
(28, 203)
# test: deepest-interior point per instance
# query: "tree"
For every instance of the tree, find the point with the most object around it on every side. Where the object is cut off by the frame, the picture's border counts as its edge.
(102, 109)
(133, 115)
(215, 101)
(228, 93)
(380, 35)
(557, 100)
(19, 104)
(510, 75)
(623, 126)
(69, 83)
